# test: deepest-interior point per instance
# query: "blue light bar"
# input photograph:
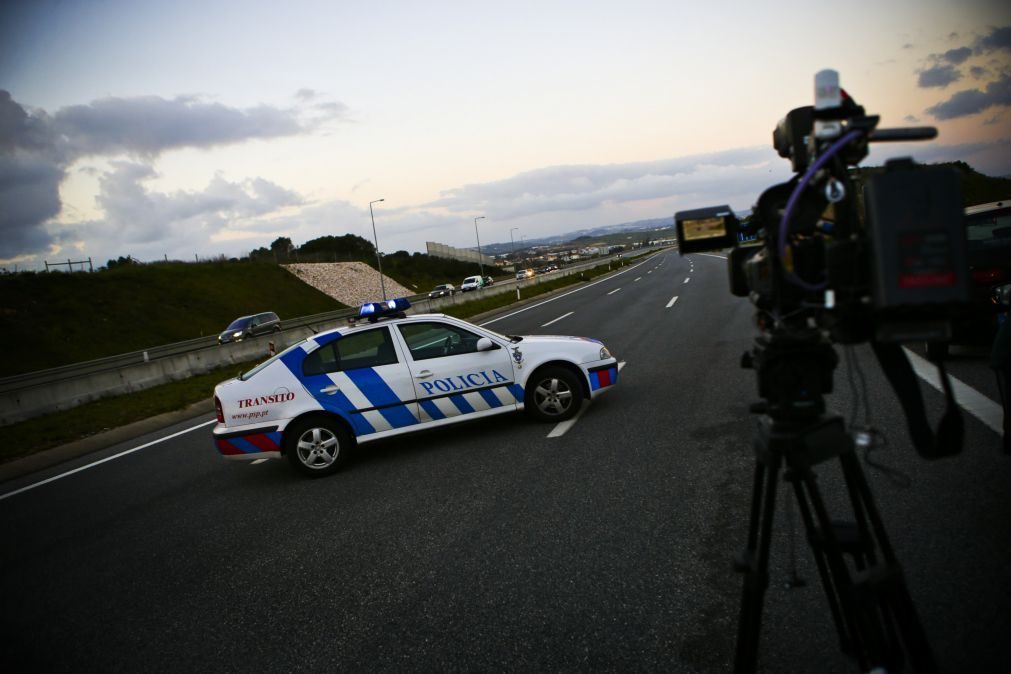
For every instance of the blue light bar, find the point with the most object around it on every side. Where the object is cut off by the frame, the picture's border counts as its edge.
(375, 310)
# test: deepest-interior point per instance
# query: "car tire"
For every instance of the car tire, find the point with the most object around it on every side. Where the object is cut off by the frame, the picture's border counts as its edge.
(317, 446)
(553, 394)
(937, 351)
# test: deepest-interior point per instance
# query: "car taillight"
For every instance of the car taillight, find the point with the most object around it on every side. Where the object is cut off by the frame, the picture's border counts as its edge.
(217, 408)
(987, 277)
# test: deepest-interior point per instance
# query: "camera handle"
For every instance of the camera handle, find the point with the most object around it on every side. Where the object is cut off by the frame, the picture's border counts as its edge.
(874, 616)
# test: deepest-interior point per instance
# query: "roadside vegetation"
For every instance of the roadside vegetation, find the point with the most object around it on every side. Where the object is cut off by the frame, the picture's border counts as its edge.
(52, 430)
(49, 320)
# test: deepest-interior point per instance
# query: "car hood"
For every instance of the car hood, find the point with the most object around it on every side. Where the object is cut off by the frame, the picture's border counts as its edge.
(586, 349)
(554, 339)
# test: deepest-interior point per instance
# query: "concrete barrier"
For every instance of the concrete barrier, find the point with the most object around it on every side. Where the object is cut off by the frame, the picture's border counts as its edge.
(35, 399)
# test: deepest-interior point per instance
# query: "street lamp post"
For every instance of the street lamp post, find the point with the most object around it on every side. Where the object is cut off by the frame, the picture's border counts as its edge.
(513, 241)
(479, 263)
(375, 238)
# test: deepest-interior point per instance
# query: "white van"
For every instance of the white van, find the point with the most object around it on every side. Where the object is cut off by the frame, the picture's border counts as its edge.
(472, 283)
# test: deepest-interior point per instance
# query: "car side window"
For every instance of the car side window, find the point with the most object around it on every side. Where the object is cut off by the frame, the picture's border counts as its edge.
(435, 340)
(370, 348)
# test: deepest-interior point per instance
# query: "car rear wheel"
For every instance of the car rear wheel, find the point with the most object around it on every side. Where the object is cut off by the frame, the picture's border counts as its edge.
(553, 394)
(317, 446)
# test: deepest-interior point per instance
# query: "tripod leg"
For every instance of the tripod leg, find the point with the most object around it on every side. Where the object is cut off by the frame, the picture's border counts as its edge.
(754, 563)
(882, 589)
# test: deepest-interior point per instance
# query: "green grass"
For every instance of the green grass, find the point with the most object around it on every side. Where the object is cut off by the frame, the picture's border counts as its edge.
(41, 433)
(49, 320)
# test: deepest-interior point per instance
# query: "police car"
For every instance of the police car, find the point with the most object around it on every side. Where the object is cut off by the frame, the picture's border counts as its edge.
(388, 373)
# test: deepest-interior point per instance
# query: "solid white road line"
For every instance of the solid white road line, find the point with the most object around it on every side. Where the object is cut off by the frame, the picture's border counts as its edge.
(558, 297)
(563, 427)
(108, 458)
(968, 398)
(672, 301)
(614, 291)
(544, 325)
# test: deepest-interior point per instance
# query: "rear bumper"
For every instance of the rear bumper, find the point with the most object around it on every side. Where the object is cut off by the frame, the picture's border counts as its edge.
(248, 445)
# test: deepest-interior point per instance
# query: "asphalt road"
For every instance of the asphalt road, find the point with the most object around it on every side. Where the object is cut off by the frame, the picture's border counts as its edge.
(491, 546)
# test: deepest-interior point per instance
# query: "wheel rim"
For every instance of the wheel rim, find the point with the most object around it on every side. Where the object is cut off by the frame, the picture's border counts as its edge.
(553, 397)
(318, 448)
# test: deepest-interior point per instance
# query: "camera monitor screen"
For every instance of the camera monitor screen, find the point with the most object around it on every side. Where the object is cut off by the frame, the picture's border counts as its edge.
(704, 229)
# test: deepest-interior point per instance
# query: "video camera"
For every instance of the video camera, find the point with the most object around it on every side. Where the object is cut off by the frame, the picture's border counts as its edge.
(824, 261)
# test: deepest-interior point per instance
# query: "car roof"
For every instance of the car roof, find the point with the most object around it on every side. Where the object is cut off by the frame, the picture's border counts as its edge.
(985, 208)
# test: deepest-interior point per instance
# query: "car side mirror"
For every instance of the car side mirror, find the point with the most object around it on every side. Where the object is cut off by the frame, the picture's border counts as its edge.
(485, 344)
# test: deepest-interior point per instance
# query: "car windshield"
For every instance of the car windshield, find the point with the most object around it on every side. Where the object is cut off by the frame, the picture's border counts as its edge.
(239, 323)
(252, 373)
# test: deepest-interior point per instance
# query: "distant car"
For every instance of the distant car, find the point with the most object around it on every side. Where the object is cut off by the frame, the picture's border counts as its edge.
(472, 283)
(524, 274)
(394, 374)
(988, 239)
(250, 326)
(442, 290)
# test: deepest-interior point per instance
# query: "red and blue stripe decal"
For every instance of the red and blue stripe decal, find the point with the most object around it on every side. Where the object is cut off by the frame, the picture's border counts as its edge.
(254, 443)
(602, 377)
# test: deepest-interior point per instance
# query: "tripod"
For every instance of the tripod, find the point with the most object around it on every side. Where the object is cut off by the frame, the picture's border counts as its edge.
(874, 616)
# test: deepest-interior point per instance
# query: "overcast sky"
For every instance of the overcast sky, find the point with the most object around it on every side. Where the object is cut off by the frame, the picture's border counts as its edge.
(185, 129)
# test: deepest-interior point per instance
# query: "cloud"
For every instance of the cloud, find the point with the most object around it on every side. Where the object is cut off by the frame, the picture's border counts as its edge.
(978, 72)
(938, 76)
(972, 101)
(997, 39)
(579, 188)
(957, 56)
(150, 125)
(37, 149)
(149, 224)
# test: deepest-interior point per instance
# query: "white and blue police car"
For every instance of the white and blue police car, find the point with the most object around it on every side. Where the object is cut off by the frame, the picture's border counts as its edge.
(388, 373)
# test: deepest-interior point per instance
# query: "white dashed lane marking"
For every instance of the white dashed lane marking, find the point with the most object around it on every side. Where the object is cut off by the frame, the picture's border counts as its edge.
(544, 325)
(614, 291)
(672, 301)
(563, 428)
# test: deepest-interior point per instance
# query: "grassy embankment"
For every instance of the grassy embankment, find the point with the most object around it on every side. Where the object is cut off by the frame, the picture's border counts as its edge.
(40, 433)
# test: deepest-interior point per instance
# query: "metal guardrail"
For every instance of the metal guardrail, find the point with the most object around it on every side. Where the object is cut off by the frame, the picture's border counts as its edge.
(111, 363)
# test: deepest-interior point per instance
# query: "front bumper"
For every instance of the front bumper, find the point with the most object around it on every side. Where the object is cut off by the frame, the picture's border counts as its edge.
(602, 377)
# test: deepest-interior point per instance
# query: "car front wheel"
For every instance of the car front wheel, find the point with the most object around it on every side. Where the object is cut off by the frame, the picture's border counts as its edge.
(553, 394)
(317, 446)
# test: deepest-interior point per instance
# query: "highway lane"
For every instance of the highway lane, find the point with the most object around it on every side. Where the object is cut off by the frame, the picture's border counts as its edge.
(491, 546)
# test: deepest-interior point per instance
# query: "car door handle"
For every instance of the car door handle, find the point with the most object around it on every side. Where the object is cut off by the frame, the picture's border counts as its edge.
(330, 390)
(424, 374)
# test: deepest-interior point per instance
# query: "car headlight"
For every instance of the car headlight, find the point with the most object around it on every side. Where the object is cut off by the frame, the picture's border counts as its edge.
(604, 353)
(237, 334)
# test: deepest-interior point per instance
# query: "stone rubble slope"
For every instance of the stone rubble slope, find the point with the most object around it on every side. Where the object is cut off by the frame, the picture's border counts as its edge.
(351, 283)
